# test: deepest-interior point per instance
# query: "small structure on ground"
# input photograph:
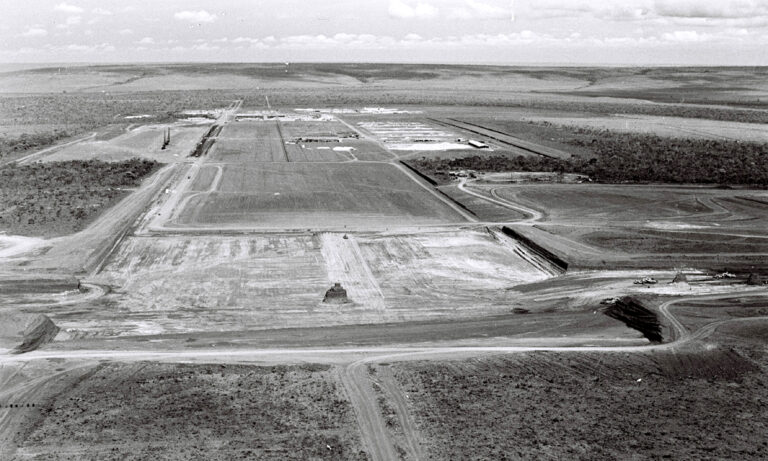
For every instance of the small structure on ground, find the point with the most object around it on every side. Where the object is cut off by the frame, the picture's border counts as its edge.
(756, 279)
(336, 295)
(680, 278)
(478, 144)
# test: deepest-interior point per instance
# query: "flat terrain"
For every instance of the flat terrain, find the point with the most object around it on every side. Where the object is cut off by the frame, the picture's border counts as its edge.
(493, 311)
(276, 281)
(633, 221)
(301, 196)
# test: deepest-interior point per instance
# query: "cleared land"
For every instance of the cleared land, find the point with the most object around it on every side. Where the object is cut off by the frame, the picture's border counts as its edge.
(660, 226)
(141, 142)
(170, 284)
(304, 196)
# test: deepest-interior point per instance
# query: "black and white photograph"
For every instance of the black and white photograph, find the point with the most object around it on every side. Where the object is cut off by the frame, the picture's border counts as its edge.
(383, 230)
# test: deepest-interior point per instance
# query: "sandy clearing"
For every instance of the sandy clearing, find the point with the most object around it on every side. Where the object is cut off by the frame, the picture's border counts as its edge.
(14, 245)
(346, 264)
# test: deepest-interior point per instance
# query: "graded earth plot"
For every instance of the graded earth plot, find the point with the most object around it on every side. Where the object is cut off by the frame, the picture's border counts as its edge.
(660, 226)
(311, 196)
(669, 208)
(250, 142)
(177, 411)
(179, 284)
(142, 142)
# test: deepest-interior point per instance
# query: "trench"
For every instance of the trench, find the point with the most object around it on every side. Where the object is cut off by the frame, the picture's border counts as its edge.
(207, 141)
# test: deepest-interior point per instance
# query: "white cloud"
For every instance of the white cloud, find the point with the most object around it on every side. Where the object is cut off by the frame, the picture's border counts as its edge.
(35, 32)
(474, 10)
(684, 36)
(125, 31)
(101, 11)
(67, 8)
(77, 48)
(401, 9)
(146, 41)
(206, 47)
(195, 16)
(720, 9)
(70, 21)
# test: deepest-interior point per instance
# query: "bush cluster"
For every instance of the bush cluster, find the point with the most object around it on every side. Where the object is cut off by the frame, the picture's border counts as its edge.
(623, 157)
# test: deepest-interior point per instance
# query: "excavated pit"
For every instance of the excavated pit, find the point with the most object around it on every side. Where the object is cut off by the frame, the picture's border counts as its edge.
(636, 316)
(39, 332)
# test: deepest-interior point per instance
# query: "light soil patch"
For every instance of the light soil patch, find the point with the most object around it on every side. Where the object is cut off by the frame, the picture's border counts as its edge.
(346, 264)
(180, 284)
(143, 142)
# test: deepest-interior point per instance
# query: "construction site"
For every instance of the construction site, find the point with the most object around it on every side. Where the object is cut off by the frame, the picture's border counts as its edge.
(364, 282)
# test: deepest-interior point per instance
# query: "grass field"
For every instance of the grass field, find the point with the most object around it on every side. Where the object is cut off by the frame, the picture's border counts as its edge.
(176, 411)
(296, 195)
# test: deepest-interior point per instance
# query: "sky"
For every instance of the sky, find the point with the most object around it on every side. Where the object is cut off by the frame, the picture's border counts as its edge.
(564, 32)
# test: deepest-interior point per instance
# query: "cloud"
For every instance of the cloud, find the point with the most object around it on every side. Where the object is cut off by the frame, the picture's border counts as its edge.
(35, 32)
(400, 9)
(721, 9)
(474, 10)
(67, 8)
(693, 13)
(71, 21)
(77, 48)
(146, 41)
(125, 31)
(684, 36)
(101, 11)
(195, 16)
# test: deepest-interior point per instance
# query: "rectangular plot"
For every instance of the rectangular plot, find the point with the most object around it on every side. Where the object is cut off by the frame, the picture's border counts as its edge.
(299, 195)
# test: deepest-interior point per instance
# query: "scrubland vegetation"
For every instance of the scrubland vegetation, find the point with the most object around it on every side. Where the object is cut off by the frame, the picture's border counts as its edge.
(221, 412)
(678, 405)
(623, 157)
(61, 197)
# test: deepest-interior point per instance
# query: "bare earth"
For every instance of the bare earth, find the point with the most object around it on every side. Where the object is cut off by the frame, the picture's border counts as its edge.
(191, 313)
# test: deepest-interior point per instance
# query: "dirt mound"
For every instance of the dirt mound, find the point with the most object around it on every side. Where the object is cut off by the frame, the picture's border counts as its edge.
(636, 316)
(39, 332)
(336, 295)
(756, 279)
